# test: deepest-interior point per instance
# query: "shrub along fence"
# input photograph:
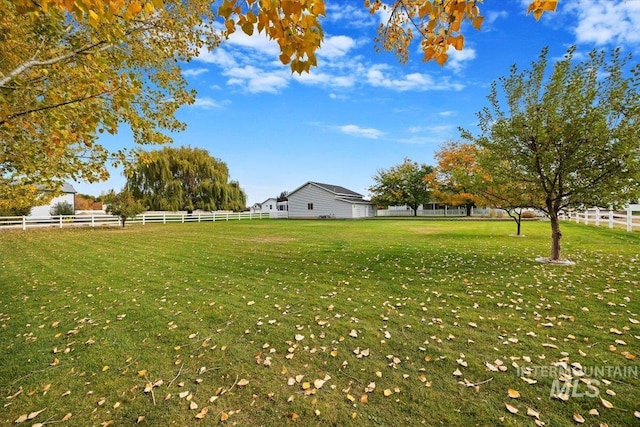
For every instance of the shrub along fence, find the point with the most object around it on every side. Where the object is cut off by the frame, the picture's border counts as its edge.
(629, 218)
(102, 219)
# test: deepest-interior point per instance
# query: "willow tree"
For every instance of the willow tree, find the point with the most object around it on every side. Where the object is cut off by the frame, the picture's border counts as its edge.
(73, 69)
(570, 134)
(184, 178)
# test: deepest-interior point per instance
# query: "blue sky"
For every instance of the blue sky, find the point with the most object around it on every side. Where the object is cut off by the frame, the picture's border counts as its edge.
(361, 110)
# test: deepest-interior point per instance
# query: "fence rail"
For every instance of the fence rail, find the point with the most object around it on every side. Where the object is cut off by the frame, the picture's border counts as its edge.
(422, 212)
(606, 217)
(101, 220)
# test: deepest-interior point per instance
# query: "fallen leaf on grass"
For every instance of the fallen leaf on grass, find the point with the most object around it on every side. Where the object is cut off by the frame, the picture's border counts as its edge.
(514, 394)
(200, 415)
(606, 403)
(511, 408)
(533, 413)
(243, 382)
(578, 418)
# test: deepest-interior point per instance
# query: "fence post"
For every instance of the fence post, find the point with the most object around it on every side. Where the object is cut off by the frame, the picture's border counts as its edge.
(213, 215)
(60, 221)
(610, 217)
(629, 218)
(227, 216)
(199, 214)
(597, 216)
(182, 218)
(143, 219)
(24, 222)
(93, 221)
(577, 216)
(164, 218)
(445, 210)
(586, 217)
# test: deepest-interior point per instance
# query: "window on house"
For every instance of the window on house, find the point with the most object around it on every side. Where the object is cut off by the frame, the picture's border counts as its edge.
(310, 206)
(270, 207)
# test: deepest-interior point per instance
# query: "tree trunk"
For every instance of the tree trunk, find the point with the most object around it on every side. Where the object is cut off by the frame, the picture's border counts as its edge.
(519, 221)
(555, 236)
(468, 207)
(124, 219)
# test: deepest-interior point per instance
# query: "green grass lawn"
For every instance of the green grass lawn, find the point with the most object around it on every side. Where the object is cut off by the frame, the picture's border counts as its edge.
(377, 322)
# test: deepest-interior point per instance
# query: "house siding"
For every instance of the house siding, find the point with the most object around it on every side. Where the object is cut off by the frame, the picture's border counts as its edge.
(325, 204)
(45, 210)
(269, 205)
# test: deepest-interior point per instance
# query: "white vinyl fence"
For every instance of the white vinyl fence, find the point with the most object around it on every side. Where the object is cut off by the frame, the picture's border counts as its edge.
(447, 211)
(629, 218)
(101, 219)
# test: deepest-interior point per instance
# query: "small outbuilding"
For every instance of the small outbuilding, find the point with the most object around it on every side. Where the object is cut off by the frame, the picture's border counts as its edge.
(317, 200)
(268, 206)
(67, 195)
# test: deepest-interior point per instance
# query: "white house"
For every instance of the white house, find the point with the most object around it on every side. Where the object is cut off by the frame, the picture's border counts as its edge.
(316, 200)
(268, 206)
(68, 195)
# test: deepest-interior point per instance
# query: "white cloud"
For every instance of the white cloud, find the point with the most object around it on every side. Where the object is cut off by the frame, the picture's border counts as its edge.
(208, 103)
(355, 130)
(357, 16)
(193, 72)
(458, 58)
(256, 80)
(603, 22)
(493, 16)
(257, 42)
(315, 77)
(378, 76)
(219, 56)
(336, 46)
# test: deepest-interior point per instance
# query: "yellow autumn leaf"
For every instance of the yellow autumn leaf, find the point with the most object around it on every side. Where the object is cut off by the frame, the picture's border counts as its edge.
(200, 415)
(514, 394)
(224, 416)
(243, 382)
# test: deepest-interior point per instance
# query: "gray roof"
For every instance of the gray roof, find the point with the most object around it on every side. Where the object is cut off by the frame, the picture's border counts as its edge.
(68, 188)
(338, 190)
(64, 188)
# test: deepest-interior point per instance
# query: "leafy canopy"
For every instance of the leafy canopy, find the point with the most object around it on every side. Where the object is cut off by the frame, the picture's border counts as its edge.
(402, 184)
(184, 178)
(73, 69)
(123, 205)
(569, 135)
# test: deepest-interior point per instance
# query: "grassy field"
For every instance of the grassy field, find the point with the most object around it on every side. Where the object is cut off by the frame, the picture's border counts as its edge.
(345, 323)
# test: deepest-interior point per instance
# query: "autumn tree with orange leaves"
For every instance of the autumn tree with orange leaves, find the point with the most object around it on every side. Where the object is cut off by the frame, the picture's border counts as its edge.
(456, 178)
(73, 69)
